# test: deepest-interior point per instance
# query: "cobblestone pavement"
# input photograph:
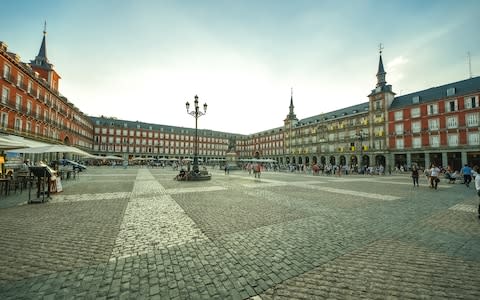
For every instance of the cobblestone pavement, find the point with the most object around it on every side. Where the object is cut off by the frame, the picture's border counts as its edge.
(136, 233)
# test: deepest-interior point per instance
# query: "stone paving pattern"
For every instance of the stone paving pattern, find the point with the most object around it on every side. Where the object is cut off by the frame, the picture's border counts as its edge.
(136, 233)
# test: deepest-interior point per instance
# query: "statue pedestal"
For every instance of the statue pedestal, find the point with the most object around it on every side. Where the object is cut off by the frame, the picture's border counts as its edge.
(232, 160)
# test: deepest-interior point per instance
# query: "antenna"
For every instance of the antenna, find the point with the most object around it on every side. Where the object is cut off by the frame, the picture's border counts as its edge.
(469, 64)
(45, 27)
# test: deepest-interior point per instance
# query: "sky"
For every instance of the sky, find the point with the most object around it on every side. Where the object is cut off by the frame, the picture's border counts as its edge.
(141, 60)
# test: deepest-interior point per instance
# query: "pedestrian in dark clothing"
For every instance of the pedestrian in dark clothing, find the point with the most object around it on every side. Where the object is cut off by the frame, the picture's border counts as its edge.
(415, 175)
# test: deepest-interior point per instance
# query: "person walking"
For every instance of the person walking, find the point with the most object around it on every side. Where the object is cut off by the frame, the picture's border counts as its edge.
(467, 175)
(415, 175)
(434, 173)
(477, 187)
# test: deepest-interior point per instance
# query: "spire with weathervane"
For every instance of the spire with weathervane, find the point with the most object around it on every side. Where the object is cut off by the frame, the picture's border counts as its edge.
(43, 67)
(291, 115)
(41, 60)
(381, 71)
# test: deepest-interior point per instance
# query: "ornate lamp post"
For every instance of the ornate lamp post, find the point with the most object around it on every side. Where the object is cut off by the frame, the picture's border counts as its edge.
(196, 113)
(361, 135)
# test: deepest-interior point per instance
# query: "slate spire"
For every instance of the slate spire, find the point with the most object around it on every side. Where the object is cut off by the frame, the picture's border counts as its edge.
(41, 59)
(381, 71)
(291, 114)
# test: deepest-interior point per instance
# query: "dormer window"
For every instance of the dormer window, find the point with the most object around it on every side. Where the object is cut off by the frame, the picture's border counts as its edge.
(451, 91)
(416, 99)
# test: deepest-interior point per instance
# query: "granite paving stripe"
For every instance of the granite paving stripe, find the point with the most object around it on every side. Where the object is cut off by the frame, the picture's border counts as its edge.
(88, 197)
(152, 220)
(465, 207)
(195, 190)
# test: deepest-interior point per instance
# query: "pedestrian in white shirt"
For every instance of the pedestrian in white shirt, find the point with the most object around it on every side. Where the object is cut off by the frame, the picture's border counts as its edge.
(434, 173)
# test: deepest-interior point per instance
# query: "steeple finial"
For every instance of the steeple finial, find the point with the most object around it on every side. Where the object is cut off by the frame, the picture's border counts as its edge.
(41, 59)
(291, 114)
(381, 71)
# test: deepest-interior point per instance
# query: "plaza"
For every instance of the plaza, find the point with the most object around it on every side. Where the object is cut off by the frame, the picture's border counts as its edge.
(136, 233)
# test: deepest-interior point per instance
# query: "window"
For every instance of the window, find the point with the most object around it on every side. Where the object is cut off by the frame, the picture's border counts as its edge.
(6, 72)
(472, 119)
(399, 143)
(5, 95)
(474, 138)
(29, 87)
(398, 115)
(18, 102)
(415, 112)
(29, 107)
(417, 142)
(18, 124)
(451, 105)
(452, 122)
(378, 104)
(4, 120)
(432, 109)
(453, 140)
(433, 124)
(19, 80)
(434, 140)
(451, 91)
(415, 99)
(471, 102)
(399, 128)
(416, 127)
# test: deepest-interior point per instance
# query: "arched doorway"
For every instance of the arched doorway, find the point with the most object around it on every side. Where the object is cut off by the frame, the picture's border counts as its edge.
(66, 141)
(342, 160)
(307, 160)
(332, 160)
(323, 160)
(380, 160)
(365, 161)
(353, 160)
(314, 160)
(299, 160)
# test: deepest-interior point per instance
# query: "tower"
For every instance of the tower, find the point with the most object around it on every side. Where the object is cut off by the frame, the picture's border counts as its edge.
(42, 66)
(380, 99)
(288, 125)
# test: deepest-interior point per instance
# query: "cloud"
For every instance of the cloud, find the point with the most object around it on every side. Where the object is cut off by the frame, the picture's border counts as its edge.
(396, 68)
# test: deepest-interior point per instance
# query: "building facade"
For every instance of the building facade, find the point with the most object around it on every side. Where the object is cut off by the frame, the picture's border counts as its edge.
(437, 125)
(32, 107)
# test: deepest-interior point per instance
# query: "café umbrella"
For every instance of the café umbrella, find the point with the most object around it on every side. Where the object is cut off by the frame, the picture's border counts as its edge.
(53, 149)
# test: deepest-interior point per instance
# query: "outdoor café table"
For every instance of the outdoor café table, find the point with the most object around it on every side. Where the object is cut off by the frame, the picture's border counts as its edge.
(43, 175)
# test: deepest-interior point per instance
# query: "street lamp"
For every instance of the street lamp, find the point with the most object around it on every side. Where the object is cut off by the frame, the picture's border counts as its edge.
(196, 113)
(360, 136)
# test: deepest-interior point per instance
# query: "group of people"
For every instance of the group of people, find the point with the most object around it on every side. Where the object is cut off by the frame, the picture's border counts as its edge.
(433, 173)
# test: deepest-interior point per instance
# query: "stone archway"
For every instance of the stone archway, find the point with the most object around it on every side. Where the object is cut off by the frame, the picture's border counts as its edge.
(66, 141)
(332, 160)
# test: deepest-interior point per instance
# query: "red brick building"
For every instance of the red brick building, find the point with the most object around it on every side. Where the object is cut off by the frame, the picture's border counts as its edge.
(31, 105)
(439, 125)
